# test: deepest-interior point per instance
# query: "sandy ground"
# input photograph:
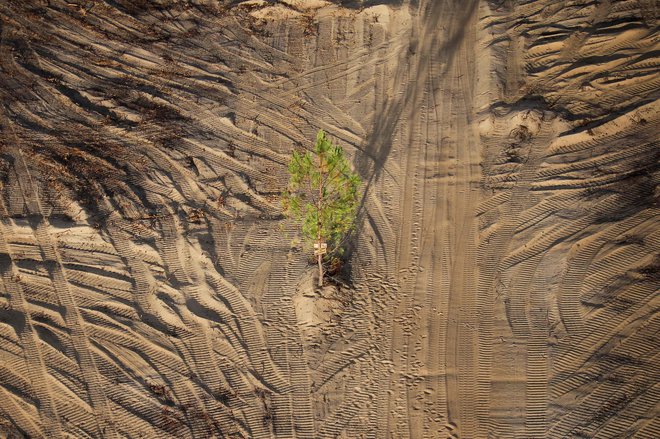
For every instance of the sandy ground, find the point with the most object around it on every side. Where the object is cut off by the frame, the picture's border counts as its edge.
(503, 279)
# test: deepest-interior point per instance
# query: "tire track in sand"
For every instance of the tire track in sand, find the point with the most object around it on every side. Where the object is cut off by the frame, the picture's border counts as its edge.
(73, 319)
(34, 365)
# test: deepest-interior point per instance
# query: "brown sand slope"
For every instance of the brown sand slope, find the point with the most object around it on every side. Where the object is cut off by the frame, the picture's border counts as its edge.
(503, 280)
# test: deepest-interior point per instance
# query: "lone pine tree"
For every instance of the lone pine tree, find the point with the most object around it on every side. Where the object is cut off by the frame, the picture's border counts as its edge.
(323, 195)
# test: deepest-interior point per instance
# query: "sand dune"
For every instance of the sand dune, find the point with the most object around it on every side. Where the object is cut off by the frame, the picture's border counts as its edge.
(502, 282)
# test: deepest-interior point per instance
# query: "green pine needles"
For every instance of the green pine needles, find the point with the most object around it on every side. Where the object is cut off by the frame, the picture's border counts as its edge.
(323, 195)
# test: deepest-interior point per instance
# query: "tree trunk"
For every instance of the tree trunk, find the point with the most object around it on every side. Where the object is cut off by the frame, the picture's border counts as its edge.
(318, 219)
(320, 258)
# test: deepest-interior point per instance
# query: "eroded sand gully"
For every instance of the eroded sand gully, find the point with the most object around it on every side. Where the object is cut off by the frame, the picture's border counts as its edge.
(503, 280)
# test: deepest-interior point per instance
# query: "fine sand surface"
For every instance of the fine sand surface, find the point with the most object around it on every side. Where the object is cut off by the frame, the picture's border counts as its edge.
(503, 279)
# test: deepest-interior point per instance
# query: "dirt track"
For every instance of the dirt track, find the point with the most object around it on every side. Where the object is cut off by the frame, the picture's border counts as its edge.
(503, 279)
